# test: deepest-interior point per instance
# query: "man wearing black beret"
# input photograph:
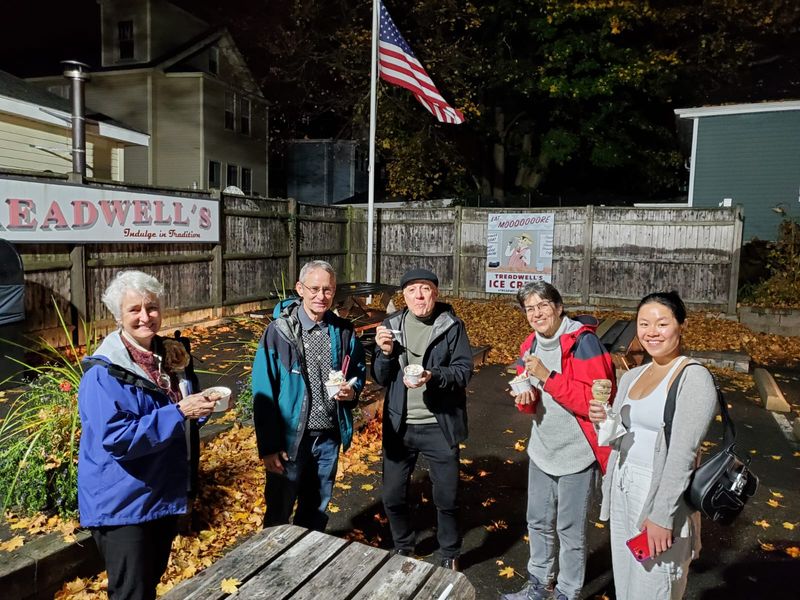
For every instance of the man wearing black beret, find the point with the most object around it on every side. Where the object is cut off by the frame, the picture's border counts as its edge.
(423, 358)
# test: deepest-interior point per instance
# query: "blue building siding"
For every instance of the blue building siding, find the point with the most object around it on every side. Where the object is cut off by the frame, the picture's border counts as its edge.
(753, 159)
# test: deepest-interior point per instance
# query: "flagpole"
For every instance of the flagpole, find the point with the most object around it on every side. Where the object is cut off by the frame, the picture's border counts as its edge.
(373, 112)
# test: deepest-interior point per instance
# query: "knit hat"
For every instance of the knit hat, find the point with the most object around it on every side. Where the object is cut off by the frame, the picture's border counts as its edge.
(414, 274)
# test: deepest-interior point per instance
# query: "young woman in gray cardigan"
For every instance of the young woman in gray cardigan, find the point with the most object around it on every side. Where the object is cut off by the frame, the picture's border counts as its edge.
(644, 484)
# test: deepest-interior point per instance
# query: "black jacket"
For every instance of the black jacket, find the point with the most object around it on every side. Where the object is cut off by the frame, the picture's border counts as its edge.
(449, 359)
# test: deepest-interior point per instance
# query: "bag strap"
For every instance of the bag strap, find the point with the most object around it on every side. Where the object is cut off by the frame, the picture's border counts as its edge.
(729, 436)
(122, 375)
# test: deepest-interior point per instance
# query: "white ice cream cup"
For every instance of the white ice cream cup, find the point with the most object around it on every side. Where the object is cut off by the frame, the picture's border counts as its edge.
(332, 388)
(223, 402)
(413, 373)
(523, 385)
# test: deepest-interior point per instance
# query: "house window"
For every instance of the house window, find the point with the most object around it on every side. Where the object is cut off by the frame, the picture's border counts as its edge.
(244, 116)
(247, 180)
(230, 111)
(125, 36)
(213, 174)
(233, 175)
(213, 61)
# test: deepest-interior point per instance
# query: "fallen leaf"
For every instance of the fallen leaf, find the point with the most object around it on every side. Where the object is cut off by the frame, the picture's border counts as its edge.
(75, 586)
(230, 586)
(793, 551)
(789, 526)
(465, 461)
(777, 494)
(599, 525)
(507, 572)
(766, 546)
(488, 502)
(508, 431)
(10, 545)
(762, 523)
(519, 446)
(462, 446)
(496, 526)
(333, 508)
(773, 503)
(775, 457)
(367, 487)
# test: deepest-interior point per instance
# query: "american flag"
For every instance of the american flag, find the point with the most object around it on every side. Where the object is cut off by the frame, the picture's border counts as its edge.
(398, 65)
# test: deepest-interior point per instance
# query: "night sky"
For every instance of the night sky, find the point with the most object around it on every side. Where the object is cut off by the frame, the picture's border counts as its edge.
(35, 36)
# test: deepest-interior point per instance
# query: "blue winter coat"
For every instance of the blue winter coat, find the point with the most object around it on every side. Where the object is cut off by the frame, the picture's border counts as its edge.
(280, 380)
(132, 462)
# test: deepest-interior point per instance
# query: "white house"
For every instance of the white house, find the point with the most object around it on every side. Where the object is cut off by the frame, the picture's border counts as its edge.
(36, 135)
(167, 73)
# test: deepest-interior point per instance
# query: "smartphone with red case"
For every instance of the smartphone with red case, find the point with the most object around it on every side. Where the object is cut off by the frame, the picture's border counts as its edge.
(638, 546)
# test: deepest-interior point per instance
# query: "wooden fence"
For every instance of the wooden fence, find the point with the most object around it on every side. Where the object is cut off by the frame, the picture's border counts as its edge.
(603, 256)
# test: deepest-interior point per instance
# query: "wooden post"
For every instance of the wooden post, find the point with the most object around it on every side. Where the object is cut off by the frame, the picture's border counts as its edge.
(587, 255)
(77, 291)
(294, 242)
(348, 246)
(218, 263)
(457, 252)
(736, 255)
(377, 216)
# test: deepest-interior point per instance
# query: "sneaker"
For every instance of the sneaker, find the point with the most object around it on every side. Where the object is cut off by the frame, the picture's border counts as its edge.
(533, 590)
(450, 563)
(559, 595)
(401, 552)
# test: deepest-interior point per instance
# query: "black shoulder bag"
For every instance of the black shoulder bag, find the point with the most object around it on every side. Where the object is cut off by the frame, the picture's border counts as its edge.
(721, 485)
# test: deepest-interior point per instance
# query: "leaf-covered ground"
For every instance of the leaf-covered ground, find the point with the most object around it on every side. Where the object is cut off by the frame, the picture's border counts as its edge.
(231, 503)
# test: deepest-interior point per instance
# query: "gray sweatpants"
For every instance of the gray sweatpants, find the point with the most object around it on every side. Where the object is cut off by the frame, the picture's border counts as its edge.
(662, 578)
(559, 505)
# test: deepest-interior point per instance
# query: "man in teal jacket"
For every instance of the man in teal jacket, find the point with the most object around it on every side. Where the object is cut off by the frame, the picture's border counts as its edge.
(299, 426)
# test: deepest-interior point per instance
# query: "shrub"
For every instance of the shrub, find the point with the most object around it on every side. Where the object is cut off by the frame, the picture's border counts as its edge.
(782, 286)
(39, 449)
(39, 435)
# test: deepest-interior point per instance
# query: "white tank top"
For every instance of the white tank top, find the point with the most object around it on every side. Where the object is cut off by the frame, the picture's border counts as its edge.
(644, 419)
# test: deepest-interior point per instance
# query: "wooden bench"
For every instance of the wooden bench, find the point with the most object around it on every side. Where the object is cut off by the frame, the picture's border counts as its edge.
(291, 562)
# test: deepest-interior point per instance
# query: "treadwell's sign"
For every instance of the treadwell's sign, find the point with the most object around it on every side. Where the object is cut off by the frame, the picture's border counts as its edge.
(46, 212)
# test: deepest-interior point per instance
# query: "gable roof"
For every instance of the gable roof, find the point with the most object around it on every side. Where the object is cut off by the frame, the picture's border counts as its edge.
(20, 98)
(171, 62)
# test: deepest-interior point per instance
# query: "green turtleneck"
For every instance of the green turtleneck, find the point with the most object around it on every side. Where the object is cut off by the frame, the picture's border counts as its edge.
(417, 336)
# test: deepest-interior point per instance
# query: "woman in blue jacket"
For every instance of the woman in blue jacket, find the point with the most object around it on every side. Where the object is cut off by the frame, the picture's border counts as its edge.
(133, 465)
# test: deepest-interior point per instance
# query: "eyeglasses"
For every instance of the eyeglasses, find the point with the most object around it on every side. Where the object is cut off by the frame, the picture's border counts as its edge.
(540, 307)
(327, 292)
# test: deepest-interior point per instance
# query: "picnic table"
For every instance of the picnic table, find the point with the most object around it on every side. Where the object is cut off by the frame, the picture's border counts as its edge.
(351, 301)
(288, 561)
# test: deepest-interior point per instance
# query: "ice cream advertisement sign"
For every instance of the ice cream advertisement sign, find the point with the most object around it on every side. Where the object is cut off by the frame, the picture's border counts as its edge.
(44, 212)
(519, 249)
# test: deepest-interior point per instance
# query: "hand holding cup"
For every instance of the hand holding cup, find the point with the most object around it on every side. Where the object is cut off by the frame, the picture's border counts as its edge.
(196, 406)
(598, 406)
(415, 376)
